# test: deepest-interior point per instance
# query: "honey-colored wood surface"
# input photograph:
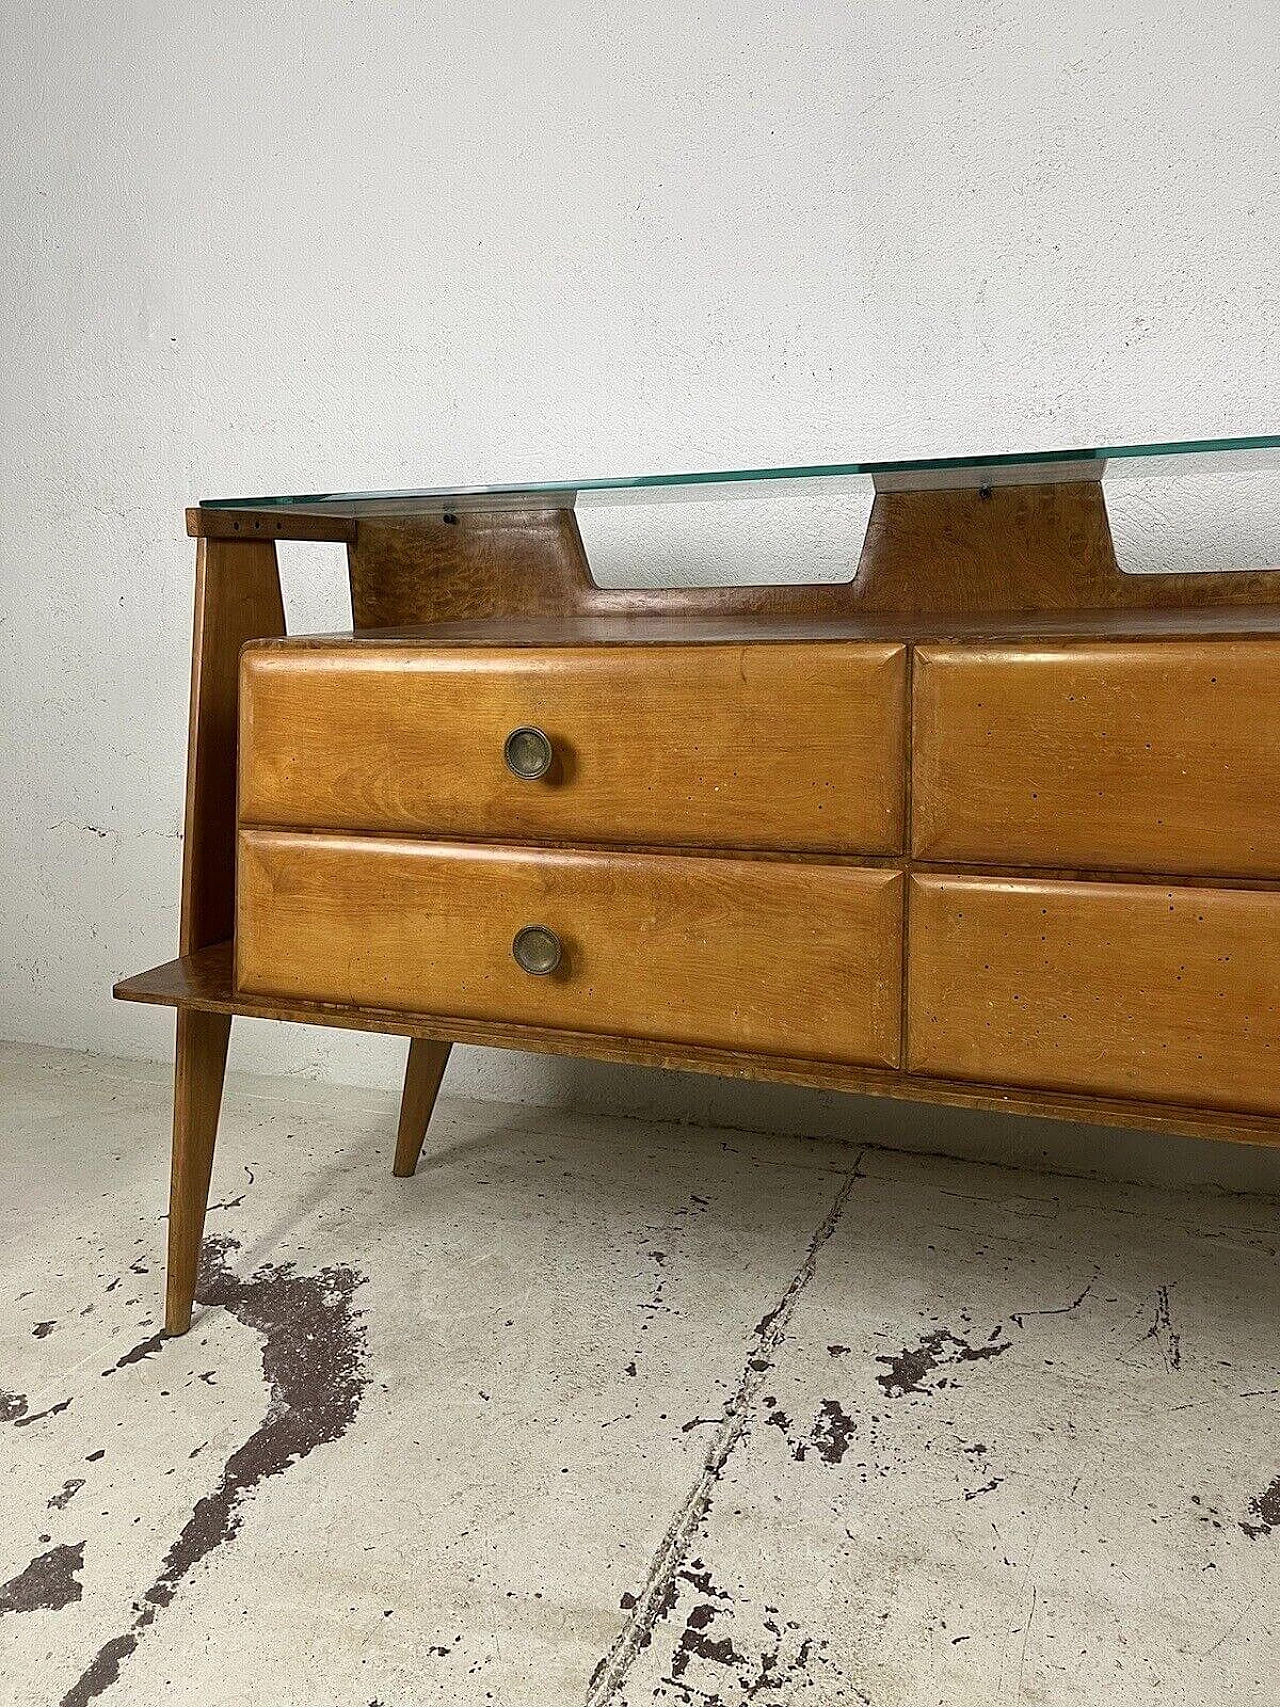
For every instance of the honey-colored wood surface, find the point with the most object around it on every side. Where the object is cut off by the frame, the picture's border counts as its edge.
(773, 747)
(205, 982)
(424, 1069)
(731, 953)
(1139, 990)
(1015, 563)
(1162, 756)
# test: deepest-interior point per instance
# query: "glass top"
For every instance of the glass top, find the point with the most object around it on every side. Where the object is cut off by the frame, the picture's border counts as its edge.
(1017, 468)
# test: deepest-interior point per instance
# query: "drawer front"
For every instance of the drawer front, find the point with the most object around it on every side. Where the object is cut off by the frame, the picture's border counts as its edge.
(1159, 757)
(770, 746)
(756, 955)
(1131, 990)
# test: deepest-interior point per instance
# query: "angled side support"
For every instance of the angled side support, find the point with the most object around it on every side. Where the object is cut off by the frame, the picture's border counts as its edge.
(237, 599)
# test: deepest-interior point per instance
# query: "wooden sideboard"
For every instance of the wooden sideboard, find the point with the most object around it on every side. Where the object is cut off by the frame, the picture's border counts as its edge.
(991, 823)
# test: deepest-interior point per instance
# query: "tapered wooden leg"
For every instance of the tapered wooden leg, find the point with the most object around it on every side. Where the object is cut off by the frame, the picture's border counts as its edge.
(422, 1075)
(199, 1066)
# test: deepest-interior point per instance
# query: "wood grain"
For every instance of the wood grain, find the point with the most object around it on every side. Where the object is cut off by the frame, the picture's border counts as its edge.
(778, 747)
(440, 566)
(237, 599)
(789, 959)
(205, 981)
(1137, 990)
(1157, 757)
(200, 1060)
(269, 524)
(1009, 549)
(424, 1069)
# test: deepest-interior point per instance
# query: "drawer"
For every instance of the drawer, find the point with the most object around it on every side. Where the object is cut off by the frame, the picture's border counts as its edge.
(774, 746)
(1125, 989)
(760, 955)
(1160, 756)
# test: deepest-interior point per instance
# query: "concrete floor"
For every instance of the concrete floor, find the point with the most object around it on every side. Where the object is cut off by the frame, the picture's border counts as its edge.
(598, 1412)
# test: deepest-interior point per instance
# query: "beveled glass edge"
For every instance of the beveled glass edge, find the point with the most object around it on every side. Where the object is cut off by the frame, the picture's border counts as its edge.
(1243, 452)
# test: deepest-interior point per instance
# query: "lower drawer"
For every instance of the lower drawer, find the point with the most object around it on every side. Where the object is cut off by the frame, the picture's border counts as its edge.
(776, 956)
(1168, 994)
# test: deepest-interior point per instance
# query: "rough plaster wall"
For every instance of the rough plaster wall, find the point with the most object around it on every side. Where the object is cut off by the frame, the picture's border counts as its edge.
(254, 247)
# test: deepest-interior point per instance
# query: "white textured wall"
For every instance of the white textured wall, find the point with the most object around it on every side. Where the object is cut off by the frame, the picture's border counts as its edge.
(260, 247)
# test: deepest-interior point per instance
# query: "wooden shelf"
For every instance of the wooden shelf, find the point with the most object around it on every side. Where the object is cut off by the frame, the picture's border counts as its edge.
(205, 982)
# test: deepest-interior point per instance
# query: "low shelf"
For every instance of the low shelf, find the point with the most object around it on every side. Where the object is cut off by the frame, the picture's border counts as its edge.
(204, 982)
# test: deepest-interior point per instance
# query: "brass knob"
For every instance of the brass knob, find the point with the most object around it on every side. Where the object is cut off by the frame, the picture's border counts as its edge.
(527, 752)
(537, 949)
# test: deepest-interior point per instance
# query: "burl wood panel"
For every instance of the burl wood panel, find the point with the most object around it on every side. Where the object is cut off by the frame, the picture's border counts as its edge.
(798, 960)
(1135, 990)
(1159, 756)
(1006, 549)
(778, 747)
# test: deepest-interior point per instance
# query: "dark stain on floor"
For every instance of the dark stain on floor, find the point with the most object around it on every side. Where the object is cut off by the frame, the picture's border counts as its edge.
(1264, 1510)
(910, 1369)
(757, 1647)
(12, 1406)
(830, 1434)
(60, 1501)
(313, 1359)
(144, 1348)
(16, 1410)
(47, 1584)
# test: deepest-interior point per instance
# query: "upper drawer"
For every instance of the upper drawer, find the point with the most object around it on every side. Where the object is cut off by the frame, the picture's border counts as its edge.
(1151, 756)
(764, 745)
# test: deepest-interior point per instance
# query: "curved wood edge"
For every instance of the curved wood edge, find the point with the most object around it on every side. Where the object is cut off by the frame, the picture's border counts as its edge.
(1004, 549)
(204, 981)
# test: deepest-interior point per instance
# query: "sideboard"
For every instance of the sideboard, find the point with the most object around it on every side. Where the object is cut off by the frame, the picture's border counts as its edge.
(990, 823)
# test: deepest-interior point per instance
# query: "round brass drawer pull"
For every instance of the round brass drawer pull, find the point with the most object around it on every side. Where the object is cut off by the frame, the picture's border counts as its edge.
(527, 752)
(537, 949)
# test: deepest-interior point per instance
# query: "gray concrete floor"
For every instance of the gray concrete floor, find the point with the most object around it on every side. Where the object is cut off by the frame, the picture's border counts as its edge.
(599, 1412)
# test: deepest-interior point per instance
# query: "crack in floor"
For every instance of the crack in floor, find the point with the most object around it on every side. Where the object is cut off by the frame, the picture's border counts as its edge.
(657, 1596)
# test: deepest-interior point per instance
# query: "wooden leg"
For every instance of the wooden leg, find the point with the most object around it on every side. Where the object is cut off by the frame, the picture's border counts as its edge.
(422, 1075)
(199, 1065)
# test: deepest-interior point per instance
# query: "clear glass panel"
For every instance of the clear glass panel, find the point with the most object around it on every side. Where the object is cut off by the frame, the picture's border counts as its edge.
(1020, 467)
